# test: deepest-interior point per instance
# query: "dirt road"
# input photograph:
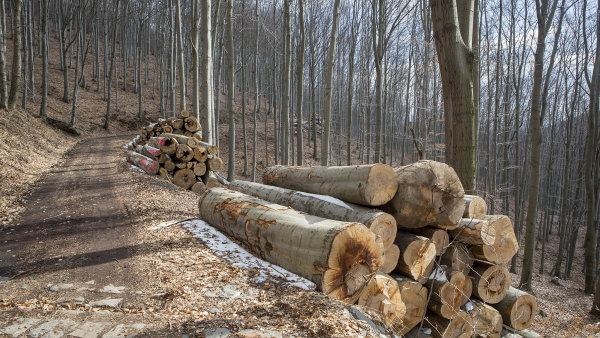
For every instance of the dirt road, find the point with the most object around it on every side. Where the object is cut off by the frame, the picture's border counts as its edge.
(89, 258)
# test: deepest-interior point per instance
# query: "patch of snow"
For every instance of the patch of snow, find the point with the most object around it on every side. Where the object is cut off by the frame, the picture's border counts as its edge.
(427, 331)
(163, 225)
(136, 169)
(240, 258)
(469, 306)
(439, 275)
(326, 198)
(125, 146)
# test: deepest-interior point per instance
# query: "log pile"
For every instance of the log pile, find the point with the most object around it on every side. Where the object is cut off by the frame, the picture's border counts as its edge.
(173, 149)
(405, 242)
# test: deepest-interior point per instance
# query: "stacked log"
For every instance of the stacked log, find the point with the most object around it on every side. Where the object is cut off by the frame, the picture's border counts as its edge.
(175, 144)
(339, 257)
(447, 255)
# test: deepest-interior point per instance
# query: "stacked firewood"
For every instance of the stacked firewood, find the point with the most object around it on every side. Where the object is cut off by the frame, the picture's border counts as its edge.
(405, 242)
(173, 149)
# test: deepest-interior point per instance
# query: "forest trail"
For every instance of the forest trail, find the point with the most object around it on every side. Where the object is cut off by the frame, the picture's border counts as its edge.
(74, 243)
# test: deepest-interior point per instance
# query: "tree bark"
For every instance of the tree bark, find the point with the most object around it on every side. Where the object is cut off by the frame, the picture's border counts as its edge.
(370, 185)
(439, 237)
(447, 293)
(3, 75)
(16, 60)
(381, 224)
(452, 31)
(458, 258)
(148, 165)
(180, 54)
(475, 207)
(518, 309)
(459, 326)
(338, 256)
(325, 143)
(230, 92)
(486, 319)
(429, 193)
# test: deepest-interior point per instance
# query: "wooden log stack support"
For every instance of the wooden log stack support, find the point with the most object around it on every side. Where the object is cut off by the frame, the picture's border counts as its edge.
(175, 144)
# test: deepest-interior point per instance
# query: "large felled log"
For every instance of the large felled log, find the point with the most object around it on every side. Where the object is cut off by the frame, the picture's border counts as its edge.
(148, 165)
(487, 321)
(184, 178)
(505, 244)
(381, 223)
(475, 232)
(184, 153)
(391, 255)
(401, 303)
(447, 292)
(417, 255)
(518, 308)
(458, 258)
(189, 141)
(460, 326)
(439, 237)
(475, 207)
(490, 282)
(339, 257)
(371, 185)
(429, 193)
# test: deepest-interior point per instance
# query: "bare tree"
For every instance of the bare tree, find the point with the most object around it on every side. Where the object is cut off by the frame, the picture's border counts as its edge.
(16, 60)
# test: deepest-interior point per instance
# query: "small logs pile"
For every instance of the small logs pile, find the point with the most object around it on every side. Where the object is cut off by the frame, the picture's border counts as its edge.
(432, 258)
(173, 149)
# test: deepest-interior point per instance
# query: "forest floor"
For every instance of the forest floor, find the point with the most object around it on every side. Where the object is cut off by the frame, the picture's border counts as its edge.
(104, 229)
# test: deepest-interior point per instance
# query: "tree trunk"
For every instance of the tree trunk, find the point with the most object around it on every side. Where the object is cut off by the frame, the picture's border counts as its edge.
(300, 85)
(112, 65)
(180, 54)
(337, 256)
(400, 302)
(452, 29)
(206, 75)
(16, 61)
(518, 309)
(370, 185)
(3, 76)
(380, 223)
(230, 92)
(44, 103)
(429, 193)
(325, 143)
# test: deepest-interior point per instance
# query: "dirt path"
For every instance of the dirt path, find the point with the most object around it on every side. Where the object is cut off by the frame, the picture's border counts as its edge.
(91, 256)
(74, 245)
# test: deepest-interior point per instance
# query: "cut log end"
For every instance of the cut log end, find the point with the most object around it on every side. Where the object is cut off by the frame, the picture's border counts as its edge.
(199, 188)
(518, 309)
(475, 207)
(381, 185)
(490, 282)
(460, 326)
(184, 178)
(505, 244)
(417, 258)
(487, 321)
(354, 258)
(390, 258)
(384, 227)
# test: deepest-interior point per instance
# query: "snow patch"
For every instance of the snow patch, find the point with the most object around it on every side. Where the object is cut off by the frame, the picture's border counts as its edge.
(439, 275)
(240, 258)
(469, 306)
(136, 169)
(426, 331)
(163, 225)
(326, 198)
